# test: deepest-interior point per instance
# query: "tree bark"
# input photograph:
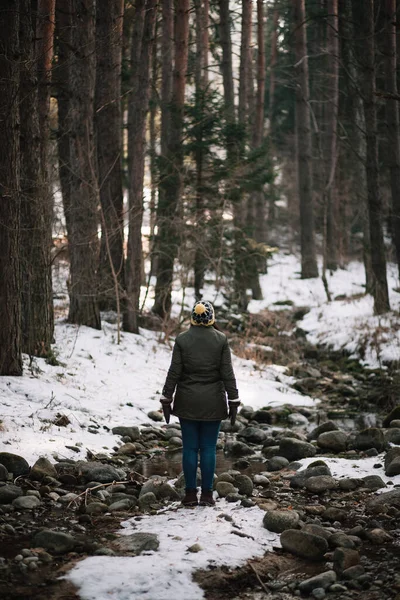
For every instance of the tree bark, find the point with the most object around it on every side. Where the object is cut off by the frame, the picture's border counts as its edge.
(84, 201)
(309, 266)
(365, 49)
(10, 300)
(109, 19)
(138, 108)
(36, 290)
(392, 120)
(171, 181)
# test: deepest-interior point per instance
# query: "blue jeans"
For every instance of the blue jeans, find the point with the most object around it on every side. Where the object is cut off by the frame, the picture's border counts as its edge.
(199, 436)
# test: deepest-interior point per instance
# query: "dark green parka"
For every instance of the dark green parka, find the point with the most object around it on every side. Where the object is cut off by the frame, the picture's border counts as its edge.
(201, 371)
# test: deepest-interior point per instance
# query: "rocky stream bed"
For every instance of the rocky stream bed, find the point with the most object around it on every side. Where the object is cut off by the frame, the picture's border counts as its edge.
(340, 538)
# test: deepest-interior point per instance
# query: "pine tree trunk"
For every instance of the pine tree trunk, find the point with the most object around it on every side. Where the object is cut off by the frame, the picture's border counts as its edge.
(365, 48)
(84, 201)
(201, 78)
(272, 85)
(137, 111)
(331, 156)
(36, 290)
(109, 19)
(61, 76)
(171, 181)
(10, 300)
(257, 200)
(309, 266)
(392, 120)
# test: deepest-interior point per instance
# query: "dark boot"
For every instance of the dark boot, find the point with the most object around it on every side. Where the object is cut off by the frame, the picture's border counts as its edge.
(190, 498)
(206, 498)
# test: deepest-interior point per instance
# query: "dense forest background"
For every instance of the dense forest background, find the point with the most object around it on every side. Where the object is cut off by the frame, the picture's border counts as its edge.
(150, 141)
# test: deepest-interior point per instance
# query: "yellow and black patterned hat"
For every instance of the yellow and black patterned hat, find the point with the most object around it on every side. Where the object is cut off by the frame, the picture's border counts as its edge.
(203, 314)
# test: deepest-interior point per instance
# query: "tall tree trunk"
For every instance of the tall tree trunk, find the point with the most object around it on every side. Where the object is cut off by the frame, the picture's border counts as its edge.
(331, 146)
(36, 290)
(63, 35)
(171, 181)
(365, 48)
(257, 198)
(10, 300)
(167, 36)
(153, 139)
(201, 79)
(392, 119)
(109, 20)
(309, 266)
(272, 85)
(137, 111)
(83, 233)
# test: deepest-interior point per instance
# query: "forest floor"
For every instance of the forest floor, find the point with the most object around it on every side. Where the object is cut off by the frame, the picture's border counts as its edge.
(281, 361)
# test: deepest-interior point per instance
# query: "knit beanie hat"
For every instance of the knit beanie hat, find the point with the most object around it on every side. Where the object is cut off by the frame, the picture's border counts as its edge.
(203, 314)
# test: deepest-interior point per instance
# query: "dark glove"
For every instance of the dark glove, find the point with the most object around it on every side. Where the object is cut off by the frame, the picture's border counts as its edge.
(166, 406)
(233, 409)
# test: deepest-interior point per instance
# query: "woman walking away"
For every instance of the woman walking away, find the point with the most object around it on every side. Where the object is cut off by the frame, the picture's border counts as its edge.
(202, 374)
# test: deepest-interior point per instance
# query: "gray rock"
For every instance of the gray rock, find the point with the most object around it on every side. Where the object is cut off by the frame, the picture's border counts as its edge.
(298, 481)
(131, 432)
(14, 463)
(3, 473)
(276, 463)
(395, 423)
(127, 449)
(391, 498)
(297, 418)
(247, 503)
(244, 484)
(341, 540)
(155, 415)
(333, 441)
(322, 580)
(136, 543)
(147, 500)
(353, 572)
(350, 483)
(247, 412)
(293, 449)
(280, 520)
(317, 530)
(332, 513)
(344, 558)
(261, 480)
(225, 477)
(238, 449)
(121, 505)
(393, 468)
(171, 432)
(254, 435)
(303, 544)
(161, 489)
(393, 415)
(378, 536)
(320, 484)
(56, 542)
(9, 492)
(327, 426)
(392, 435)
(26, 502)
(175, 441)
(262, 416)
(42, 468)
(318, 593)
(103, 551)
(372, 437)
(224, 488)
(233, 497)
(373, 482)
(94, 471)
(391, 458)
(96, 508)
(270, 451)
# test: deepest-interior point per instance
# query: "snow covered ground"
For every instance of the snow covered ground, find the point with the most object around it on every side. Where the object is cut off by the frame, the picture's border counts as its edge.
(99, 384)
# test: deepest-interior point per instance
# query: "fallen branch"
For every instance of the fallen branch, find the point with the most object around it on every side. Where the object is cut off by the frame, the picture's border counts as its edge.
(264, 587)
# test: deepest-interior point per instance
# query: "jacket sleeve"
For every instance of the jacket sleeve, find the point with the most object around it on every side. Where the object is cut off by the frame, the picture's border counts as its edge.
(227, 374)
(174, 372)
